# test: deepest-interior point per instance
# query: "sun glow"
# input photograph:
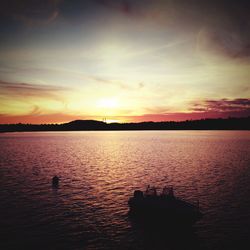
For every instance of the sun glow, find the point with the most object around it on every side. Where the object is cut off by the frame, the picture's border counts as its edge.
(123, 60)
(112, 121)
(110, 103)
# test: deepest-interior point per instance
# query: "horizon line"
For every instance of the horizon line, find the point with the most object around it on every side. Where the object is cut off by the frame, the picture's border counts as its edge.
(104, 122)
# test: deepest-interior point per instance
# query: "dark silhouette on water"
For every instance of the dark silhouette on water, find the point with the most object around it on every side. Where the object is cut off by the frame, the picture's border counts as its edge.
(164, 221)
(78, 125)
(55, 182)
(152, 208)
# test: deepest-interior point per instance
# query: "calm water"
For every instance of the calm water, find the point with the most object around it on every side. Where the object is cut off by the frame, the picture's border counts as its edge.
(100, 170)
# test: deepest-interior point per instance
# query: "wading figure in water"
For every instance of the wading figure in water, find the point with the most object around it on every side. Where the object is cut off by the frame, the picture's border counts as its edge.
(55, 181)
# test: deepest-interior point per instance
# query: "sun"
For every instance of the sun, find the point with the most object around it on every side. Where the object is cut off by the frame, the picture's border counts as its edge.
(112, 121)
(110, 103)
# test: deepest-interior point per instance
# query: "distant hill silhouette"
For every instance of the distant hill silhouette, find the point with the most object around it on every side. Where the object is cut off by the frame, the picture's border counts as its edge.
(84, 125)
(77, 125)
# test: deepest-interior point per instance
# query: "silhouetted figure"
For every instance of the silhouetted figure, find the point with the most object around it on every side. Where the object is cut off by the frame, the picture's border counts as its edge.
(164, 191)
(147, 190)
(138, 194)
(171, 192)
(55, 181)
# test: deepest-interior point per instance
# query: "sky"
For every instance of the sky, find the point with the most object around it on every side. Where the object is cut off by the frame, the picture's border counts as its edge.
(123, 60)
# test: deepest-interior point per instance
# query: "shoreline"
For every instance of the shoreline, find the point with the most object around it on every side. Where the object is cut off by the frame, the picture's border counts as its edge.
(92, 125)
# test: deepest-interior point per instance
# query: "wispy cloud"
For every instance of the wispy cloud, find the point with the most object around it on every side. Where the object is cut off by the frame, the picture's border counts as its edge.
(123, 6)
(221, 26)
(223, 105)
(31, 12)
(8, 89)
(58, 73)
(38, 118)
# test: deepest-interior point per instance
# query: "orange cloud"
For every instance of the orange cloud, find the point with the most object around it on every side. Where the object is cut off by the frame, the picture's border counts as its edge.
(38, 118)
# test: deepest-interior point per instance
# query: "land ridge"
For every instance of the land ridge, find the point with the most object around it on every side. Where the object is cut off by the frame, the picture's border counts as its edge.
(242, 123)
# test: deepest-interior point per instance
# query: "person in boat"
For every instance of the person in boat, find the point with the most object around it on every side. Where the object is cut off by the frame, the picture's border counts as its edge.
(138, 194)
(171, 192)
(164, 191)
(168, 192)
(151, 191)
(154, 191)
(147, 192)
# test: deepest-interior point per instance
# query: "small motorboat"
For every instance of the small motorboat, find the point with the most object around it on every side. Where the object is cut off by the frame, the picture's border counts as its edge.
(164, 208)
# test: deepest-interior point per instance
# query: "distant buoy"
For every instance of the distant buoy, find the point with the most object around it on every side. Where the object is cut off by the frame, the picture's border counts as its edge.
(55, 181)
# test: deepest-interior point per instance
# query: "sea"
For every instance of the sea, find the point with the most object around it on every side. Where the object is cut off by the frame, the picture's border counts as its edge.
(99, 171)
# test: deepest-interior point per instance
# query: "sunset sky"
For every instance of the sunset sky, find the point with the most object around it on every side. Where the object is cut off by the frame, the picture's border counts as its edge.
(130, 60)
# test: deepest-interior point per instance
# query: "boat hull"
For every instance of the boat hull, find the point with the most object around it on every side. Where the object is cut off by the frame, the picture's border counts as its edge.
(162, 210)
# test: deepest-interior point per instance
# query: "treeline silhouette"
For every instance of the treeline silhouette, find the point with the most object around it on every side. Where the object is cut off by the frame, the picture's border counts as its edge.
(78, 125)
